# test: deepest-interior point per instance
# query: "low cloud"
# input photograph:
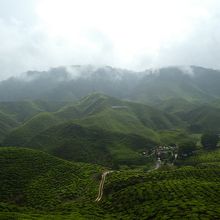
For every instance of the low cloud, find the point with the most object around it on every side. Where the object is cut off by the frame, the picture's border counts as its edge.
(137, 35)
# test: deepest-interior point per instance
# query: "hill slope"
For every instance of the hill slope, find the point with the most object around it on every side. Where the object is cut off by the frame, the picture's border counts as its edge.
(22, 111)
(205, 118)
(77, 143)
(39, 186)
(34, 179)
(6, 125)
(99, 111)
(13, 114)
(186, 193)
(122, 116)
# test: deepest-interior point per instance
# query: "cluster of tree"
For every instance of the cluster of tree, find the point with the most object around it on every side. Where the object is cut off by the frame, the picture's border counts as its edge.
(187, 148)
(209, 141)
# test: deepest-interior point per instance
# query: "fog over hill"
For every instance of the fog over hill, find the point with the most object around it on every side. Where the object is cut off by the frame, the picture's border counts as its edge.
(190, 83)
(109, 109)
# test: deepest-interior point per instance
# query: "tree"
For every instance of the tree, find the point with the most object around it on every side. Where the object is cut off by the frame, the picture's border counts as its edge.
(187, 148)
(209, 141)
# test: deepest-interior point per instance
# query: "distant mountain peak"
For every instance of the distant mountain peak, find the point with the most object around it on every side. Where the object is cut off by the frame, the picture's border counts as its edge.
(153, 85)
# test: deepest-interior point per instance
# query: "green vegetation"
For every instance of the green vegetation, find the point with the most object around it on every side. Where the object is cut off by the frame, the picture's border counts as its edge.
(15, 114)
(97, 129)
(29, 129)
(99, 111)
(203, 119)
(38, 180)
(177, 136)
(203, 158)
(35, 185)
(186, 193)
(187, 148)
(35, 182)
(210, 141)
(111, 114)
(69, 144)
(24, 110)
(77, 143)
(6, 125)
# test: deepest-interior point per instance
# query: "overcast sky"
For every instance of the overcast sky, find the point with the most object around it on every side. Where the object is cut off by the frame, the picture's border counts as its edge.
(132, 34)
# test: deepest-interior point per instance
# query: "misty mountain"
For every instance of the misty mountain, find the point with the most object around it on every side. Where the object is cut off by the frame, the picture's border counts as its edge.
(192, 84)
(98, 111)
(13, 114)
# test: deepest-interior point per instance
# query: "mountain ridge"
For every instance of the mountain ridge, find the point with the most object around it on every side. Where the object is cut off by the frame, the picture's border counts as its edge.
(151, 86)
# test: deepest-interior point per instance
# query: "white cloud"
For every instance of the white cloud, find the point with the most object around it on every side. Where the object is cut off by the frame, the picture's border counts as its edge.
(136, 34)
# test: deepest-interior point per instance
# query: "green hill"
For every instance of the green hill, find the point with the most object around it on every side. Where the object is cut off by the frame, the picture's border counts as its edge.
(32, 180)
(35, 185)
(22, 111)
(176, 106)
(205, 118)
(15, 114)
(97, 110)
(103, 112)
(186, 193)
(6, 125)
(22, 134)
(68, 145)
(203, 159)
(92, 145)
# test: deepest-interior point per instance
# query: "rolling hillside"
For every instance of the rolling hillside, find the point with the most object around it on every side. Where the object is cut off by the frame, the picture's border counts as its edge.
(39, 186)
(185, 193)
(203, 159)
(99, 111)
(14, 114)
(205, 118)
(35, 182)
(59, 134)
(77, 143)
(6, 125)
(22, 111)
(176, 106)
(125, 117)
(21, 135)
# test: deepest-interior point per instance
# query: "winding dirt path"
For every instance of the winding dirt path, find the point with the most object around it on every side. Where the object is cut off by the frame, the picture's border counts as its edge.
(101, 185)
(102, 182)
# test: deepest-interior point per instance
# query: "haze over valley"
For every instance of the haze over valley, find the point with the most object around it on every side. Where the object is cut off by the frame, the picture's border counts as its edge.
(109, 109)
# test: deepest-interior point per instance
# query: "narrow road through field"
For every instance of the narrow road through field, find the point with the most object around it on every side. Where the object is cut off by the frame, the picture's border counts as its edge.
(101, 185)
(102, 181)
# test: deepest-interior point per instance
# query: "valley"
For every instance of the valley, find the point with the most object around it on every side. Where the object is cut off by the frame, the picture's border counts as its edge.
(110, 144)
